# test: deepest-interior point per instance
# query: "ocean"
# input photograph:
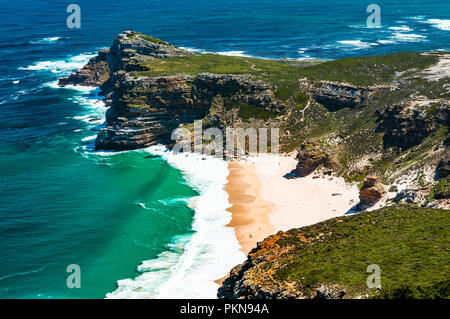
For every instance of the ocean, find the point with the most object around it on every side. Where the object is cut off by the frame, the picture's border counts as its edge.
(139, 225)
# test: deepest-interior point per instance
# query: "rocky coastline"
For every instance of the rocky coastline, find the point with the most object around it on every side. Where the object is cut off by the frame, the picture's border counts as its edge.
(382, 125)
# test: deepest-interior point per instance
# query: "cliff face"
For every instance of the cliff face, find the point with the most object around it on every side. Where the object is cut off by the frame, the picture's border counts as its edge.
(145, 110)
(337, 95)
(406, 126)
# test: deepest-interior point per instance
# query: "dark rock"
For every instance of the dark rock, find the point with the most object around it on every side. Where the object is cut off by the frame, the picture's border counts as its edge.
(443, 168)
(410, 196)
(94, 73)
(335, 95)
(408, 125)
(310, 156)
(330, 291)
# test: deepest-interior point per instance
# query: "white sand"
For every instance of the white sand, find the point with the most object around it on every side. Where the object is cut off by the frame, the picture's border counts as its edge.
(301, 201)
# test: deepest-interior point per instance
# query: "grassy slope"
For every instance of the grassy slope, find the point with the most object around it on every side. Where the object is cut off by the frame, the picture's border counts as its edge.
(411, 245)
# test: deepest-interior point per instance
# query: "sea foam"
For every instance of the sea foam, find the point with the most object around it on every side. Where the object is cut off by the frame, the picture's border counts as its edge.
(408, 37)
(191, 263)
(357, 44)
(60, 67)
(442, 24)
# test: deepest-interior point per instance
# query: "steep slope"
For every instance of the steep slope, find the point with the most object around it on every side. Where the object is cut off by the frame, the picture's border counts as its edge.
(410, 245)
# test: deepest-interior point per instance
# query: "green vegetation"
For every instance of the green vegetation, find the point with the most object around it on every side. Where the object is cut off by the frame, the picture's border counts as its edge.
(437, 290)
(248, 111)
(301, 99)
(441, 189)
(411, 245)
(210, 63)
(369, 70)
(146, 37)
(351, 127)
(393, 189)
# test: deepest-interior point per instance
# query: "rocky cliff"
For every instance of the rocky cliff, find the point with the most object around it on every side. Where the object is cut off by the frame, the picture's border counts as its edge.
(145, 109)
(386, 116)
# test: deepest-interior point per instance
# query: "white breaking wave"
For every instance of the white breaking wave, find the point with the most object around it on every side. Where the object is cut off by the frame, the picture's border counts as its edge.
(357, 44)
(408, 37)
(401, 28)
(442, 24)
(192, 263)
(234, 53)
(60, 67)
(387, 41)
(226, 53)
(46, 40)
(195, 50)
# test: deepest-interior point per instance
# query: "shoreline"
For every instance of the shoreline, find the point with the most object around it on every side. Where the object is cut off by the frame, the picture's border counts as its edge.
(265, 202)
(192, 269)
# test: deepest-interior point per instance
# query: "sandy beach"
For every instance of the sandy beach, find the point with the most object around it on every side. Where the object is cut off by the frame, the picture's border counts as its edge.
(250, 213)
(264, 201)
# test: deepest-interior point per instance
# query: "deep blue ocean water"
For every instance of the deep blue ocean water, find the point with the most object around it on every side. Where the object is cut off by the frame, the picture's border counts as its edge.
(61, 203)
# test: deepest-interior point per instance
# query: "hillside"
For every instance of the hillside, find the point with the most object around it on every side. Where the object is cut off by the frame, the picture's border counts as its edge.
(411, 246)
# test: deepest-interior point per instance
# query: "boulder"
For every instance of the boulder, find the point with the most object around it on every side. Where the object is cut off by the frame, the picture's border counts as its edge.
(309, 156)
(371, 192)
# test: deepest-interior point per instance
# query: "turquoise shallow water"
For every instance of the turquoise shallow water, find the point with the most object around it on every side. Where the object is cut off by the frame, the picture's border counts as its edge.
(63, 208)
(63, 204)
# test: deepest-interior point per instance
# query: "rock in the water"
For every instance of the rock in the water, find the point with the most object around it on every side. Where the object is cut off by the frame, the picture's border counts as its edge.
(371, 192)
(94, 73)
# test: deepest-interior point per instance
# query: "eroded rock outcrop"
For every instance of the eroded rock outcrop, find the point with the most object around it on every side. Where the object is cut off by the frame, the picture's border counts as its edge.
(145, 110)
(371, 192)
(94, 73)
(443, 168)
(410, 196)
(336, 95)
(408, 125)
(310, 156)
